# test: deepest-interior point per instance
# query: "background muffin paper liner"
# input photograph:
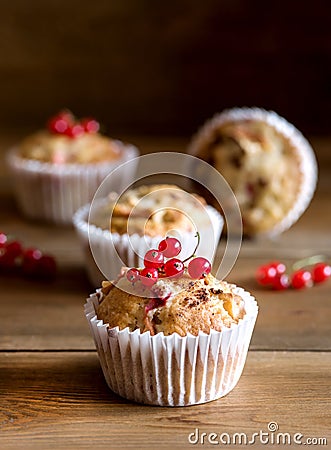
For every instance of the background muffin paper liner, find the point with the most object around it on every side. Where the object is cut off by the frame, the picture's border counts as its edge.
(172, 370)
(108, 246)
(55, 192)
(308, 165)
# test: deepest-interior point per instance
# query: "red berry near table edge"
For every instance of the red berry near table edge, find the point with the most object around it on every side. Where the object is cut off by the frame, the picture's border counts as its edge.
(274, 274)
(321, 272)
(301, 279)
(30, 262)
(160, 263)
(66, 124)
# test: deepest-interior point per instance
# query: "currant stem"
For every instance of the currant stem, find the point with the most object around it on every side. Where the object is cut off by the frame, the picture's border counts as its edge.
(196, 247)
(311, 260)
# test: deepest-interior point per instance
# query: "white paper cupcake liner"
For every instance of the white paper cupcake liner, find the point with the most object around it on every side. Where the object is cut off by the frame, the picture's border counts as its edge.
(306, 155)
(102, 248)
(172, 370)
(55, 192)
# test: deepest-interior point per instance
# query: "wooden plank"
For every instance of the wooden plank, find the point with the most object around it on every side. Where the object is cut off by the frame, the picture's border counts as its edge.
(44, 317)
(39, 317)
(60, 400)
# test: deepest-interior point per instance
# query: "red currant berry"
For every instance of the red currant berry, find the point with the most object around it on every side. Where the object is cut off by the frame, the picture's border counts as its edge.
(3, 239)
(90, 125)
(173, 267)
(266, 274)
(46, 267)
(132, 275)
(301, 279)
(321, 272)
(170, 247)
(281, 282)
(30, 262)
(57, 125)
(9, 252)
(74, 131)
(60, 123)
(14, 249)
(149, 276)
(154, 258)
(199, 267)
(67, 115)
(279, 266)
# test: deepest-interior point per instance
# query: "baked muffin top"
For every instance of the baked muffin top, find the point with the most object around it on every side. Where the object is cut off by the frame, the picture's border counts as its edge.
(60, 149)
(173, 305)
(261, 166)
(150, 210)
(67, 140)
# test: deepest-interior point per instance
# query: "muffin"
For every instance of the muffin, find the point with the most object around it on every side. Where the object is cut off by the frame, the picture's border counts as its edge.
(57, 170)
(269, 165)
(181, 342)
(118, 230)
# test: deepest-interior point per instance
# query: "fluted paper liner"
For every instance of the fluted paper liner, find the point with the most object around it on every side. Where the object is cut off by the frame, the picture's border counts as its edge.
(55, 192)
(105, 244)
(172, 370)
(308, 165)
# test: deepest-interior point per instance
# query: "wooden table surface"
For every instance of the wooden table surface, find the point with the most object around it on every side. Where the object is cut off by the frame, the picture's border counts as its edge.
(53, 394)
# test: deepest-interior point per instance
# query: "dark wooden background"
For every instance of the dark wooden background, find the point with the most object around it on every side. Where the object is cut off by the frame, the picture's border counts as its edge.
(163, 67)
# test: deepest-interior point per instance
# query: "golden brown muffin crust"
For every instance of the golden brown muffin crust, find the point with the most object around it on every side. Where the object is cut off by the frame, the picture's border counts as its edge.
(88, 148)
(192, 306)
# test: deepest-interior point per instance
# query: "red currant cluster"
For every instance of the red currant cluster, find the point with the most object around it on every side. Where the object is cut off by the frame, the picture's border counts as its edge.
(31, 261)
(274, 274)
(162, 263)
(65, 123)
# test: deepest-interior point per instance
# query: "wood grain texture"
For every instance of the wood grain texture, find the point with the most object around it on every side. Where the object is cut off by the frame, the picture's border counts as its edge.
(52, 391)
(50, 317)
(60, 400)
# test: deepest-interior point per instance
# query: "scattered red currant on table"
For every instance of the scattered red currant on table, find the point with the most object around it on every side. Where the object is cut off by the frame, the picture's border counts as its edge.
(30, 262)
(274, 274)
(162, 263)
(321, 272)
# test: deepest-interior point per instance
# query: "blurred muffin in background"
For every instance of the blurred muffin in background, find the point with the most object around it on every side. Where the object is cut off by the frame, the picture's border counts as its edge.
(118, 230)
(267, 162)
(58, 169)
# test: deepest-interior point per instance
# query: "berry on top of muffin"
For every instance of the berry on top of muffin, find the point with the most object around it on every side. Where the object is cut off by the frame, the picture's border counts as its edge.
(69, 140)
(168, 297)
